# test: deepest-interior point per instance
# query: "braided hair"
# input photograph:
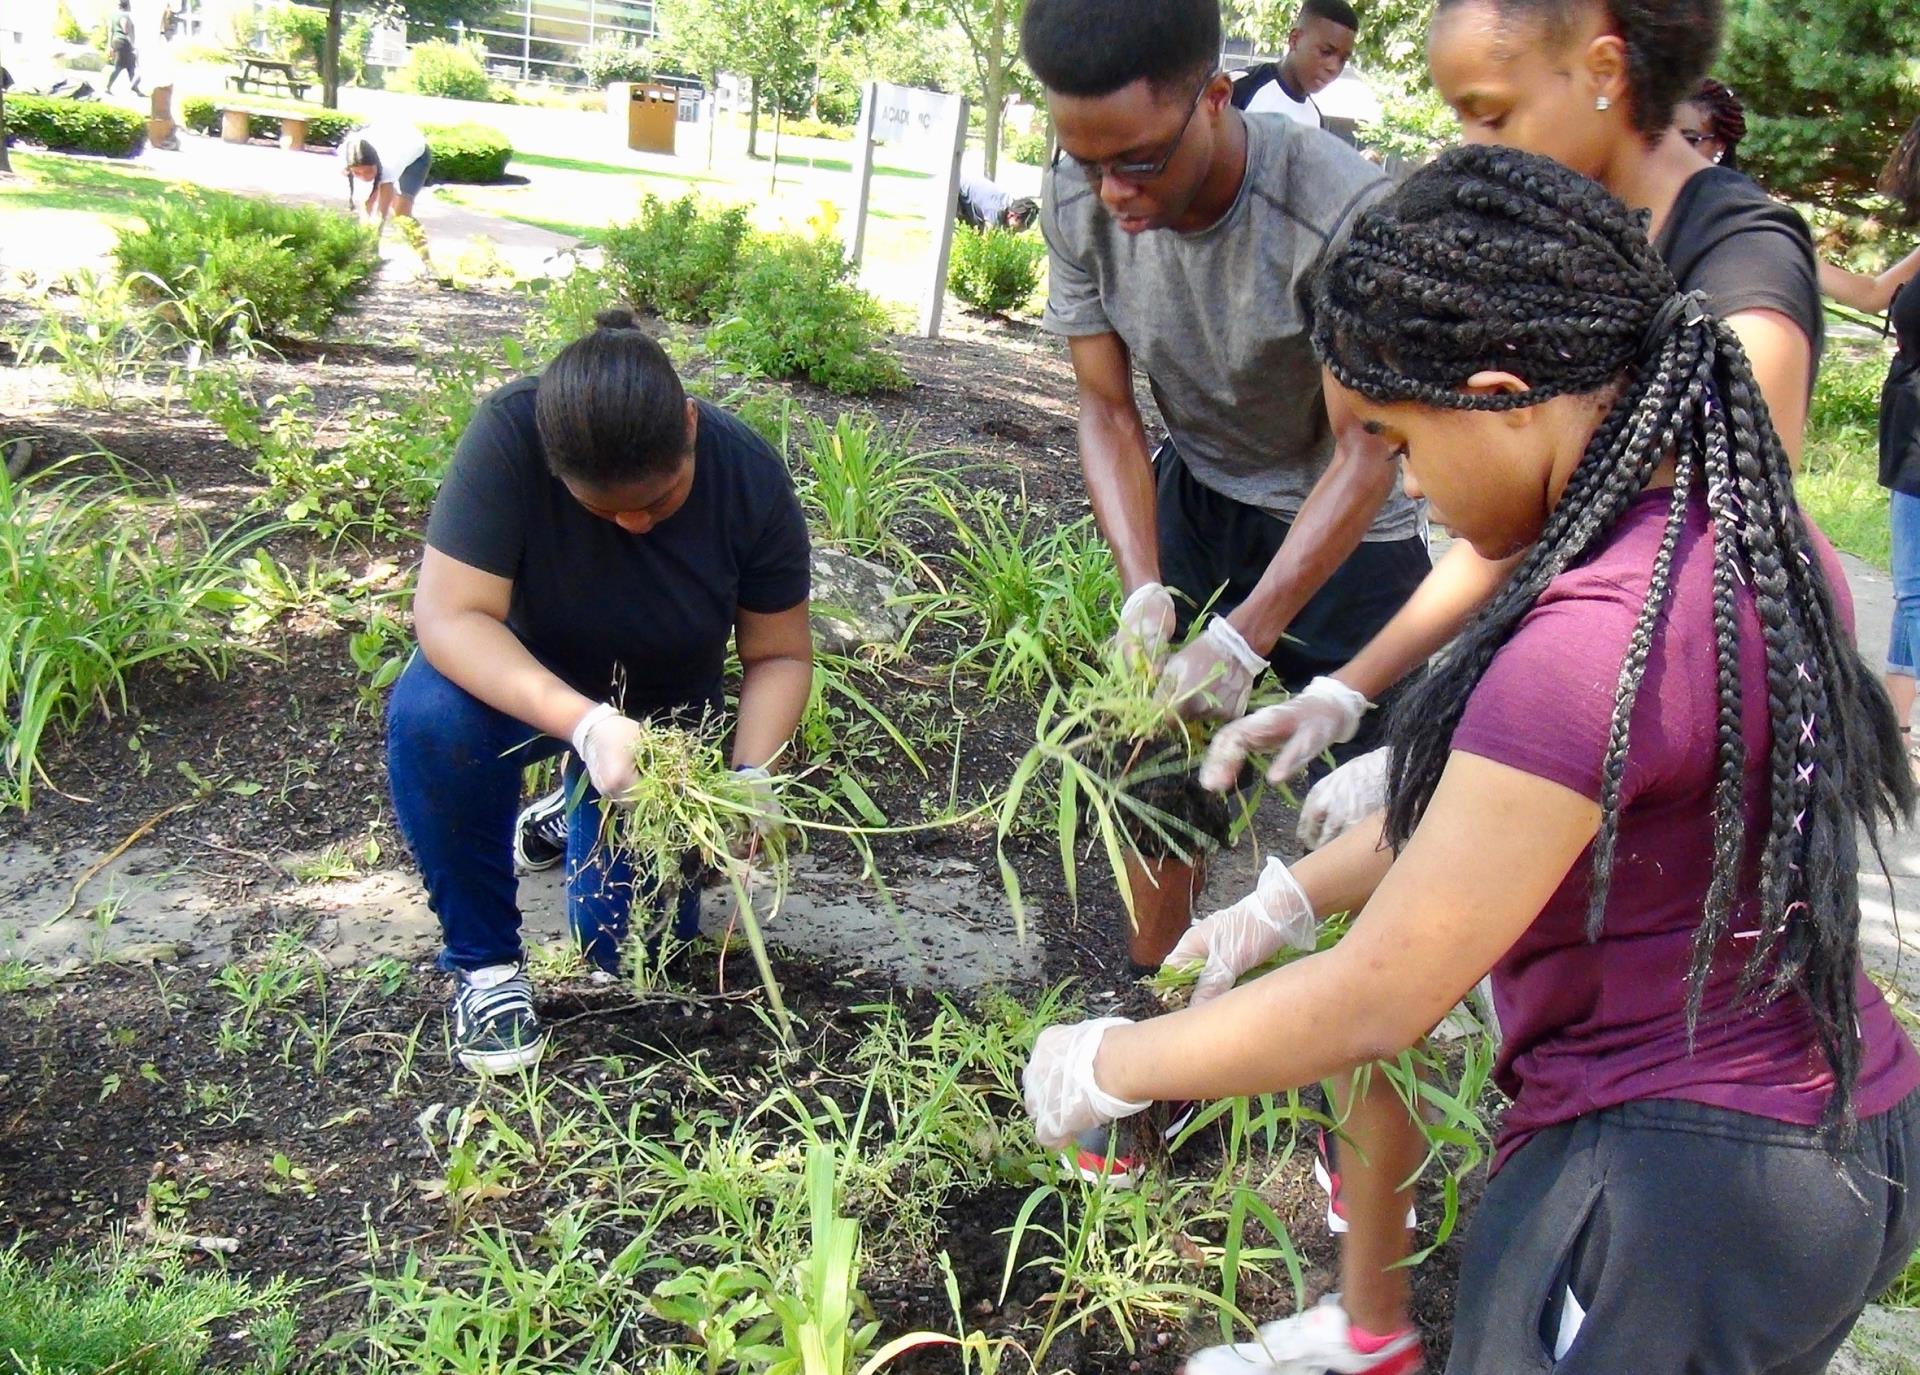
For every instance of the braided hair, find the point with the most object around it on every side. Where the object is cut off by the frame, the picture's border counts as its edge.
(1496, 259)
(1726, 117)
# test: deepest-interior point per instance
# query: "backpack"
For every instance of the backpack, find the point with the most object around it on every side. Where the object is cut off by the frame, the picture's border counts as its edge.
(1249, 82)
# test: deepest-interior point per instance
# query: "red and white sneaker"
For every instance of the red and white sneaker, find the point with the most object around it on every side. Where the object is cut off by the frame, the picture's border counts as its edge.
(1111, 1154)
(1329, 1180)
(1319, 1341)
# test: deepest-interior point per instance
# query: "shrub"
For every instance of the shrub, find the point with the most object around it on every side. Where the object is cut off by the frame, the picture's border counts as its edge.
(75, 126)
(65, 27)
(470, 153)
(1030, 147)
(443, 69)
(615, 60)
(994, 270)
(325, 128)
(793, 313)
(292, 265)
(679, 258)
(297, 32)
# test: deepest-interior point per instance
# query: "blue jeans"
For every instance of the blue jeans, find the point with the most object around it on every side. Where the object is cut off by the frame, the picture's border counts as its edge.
(1904, 645)
(454, 765)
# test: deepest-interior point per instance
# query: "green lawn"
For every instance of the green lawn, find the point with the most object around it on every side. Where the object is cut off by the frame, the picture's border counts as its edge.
(94, 186)
(1839, 479)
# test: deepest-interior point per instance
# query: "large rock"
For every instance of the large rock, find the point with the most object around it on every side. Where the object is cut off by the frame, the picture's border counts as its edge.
(1886, 1342)
(856, 603)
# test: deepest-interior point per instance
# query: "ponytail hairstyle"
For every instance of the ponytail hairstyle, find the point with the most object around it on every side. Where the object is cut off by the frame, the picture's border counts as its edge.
(1496, 259)
(610, 408)
(357, 150)
(1670, 45)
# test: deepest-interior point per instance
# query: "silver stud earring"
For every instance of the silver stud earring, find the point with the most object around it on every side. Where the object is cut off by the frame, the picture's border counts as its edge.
(1602, 103)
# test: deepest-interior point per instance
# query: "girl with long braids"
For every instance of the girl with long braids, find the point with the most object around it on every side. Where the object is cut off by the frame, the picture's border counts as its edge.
(1631, 792)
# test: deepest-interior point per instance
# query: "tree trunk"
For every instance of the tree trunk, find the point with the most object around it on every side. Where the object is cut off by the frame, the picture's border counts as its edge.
(5, 166)
(713, 114)
(753, 121)
(778, 119)
(330, 59)
(996, 83)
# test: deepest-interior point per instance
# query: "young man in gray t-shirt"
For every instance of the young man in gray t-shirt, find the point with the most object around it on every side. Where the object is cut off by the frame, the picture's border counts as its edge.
(1184, 237)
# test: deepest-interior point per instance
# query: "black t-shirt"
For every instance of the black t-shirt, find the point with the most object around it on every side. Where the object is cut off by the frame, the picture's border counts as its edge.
(1745, 250)
(1900, 398)
(588, 596)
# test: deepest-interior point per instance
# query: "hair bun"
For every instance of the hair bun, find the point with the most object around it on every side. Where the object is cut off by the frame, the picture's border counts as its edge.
(617, 317)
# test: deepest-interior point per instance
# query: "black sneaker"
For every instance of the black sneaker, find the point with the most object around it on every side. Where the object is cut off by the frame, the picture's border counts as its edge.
(495, 1029)
(540, 833)
(1112, 1153)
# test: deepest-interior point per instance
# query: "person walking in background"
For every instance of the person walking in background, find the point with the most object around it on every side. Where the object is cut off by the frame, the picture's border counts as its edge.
(1319, 46)
(600, 540)
(1894, 293)
(120, 47)
(1714, 122)
(1713, 1140)
(392, 161)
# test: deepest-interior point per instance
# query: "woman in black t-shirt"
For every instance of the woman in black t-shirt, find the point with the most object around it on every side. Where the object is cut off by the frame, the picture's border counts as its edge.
(598, 541)
(1893, 292)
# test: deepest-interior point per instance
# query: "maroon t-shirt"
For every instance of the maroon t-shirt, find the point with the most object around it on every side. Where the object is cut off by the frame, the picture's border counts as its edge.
(1591, 1024)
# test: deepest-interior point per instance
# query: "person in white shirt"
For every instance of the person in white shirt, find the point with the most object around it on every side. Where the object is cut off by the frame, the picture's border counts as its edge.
(393, 160)
(1318, 49)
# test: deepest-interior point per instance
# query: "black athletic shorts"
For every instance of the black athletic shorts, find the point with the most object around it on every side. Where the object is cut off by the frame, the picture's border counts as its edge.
(1214, 551)
(1694, 1239)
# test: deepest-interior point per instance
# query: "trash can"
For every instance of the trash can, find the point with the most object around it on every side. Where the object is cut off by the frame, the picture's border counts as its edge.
(650, 112)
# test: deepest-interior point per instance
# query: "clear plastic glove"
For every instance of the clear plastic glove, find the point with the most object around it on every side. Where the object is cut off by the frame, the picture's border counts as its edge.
(1326, 712)
(767, 816)
(1235, 939)
(1212, 677)
(1146, 626)
(604, 740)
(1062, 1097)
(1343, 799)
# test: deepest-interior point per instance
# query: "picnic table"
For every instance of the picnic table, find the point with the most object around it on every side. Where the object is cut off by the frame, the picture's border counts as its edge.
(261, 71)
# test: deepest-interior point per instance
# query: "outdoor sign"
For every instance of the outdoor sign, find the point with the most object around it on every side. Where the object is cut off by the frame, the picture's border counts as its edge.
(908, 115)
(932, 125)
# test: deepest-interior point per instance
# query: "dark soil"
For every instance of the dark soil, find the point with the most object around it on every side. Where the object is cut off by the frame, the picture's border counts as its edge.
(85, 1130)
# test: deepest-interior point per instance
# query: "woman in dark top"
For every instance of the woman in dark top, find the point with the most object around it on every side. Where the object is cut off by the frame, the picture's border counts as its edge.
(599, 540)
(1715, 1122)
(1893, 292)
(1713, 123)
(1595, 87)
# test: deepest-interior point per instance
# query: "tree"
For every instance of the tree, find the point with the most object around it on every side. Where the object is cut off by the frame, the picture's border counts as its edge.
(992, 29)
(435, 14)
(1829, 87)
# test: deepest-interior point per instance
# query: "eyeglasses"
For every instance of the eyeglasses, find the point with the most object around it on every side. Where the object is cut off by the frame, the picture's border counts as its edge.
(1097, 172)
(1695, 138)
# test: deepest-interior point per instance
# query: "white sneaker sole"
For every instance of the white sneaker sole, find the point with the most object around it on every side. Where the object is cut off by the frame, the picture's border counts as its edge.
(1335, 1223)
(492, 1062)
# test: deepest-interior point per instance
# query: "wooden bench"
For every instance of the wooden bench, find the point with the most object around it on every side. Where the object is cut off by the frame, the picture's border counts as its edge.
(236, 124)
(259, 72)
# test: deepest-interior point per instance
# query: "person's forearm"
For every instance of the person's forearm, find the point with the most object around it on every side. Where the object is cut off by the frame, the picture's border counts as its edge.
(1341, 875)
(1119, 474)
(480, 654)
(1327, 529)
(1459, 585)
(1855, 289)
(773, 695)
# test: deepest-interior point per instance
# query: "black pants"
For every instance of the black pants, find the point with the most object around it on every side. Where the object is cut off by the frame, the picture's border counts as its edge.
(1696, 1239)
(1214, 551)
(124, 61)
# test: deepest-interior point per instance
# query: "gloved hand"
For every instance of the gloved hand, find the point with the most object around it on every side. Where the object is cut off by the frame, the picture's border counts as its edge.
(1212, 677)
(1326, 712)
(1062, 1097)
(1235, 939)
(604, 740)
(1343, 799)
(1146, 625)
(767, 816)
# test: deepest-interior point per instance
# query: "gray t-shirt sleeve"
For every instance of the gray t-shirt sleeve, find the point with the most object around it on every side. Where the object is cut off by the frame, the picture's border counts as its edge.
(1073, 297)
(479, 515)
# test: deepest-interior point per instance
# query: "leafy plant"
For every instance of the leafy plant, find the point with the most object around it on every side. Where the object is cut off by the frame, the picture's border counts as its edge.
(293, 266)
(443, 69)
(995, 270)
(122, 1309)
(472, 153)
(863, 486)
(794, 314)
(677, 258)
(296, 32)
(1839, 483)
(93, 594)
(615, 59)
(75, 126)
(1030, 147)
(110, 341)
